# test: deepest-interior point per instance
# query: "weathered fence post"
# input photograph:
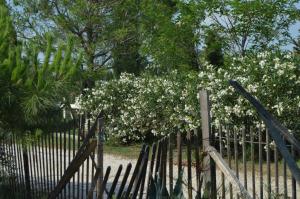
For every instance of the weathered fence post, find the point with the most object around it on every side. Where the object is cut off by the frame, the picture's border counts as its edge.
(209, 179)
(100, 140)
(26, 172)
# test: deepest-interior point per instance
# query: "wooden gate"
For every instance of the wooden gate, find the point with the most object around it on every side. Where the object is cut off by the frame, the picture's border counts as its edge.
(224, 161)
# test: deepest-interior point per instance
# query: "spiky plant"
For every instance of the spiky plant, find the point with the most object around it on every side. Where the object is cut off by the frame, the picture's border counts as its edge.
(36, 82)
(158, 191)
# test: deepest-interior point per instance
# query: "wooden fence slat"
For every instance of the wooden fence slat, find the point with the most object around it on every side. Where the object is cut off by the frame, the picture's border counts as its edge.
(100, 140)
(198, 163)
(65, 158)
(253, 163)
(141, 172)
(236, 153)
(16, 165)
(123, 183)
(26, 172)
(93, 161)
(45, 175)
(93, 185)
(103, 185)
(144, 178)
(53, 160)
(83, 164)
(114, 184)
(150, 173)
(31, 172)
(285, 191)
(69, 160)
(13, 161)
(189, 160)
(20, 165)
(14, 155)
(158, 159)
(40, 187)
(61, 157)
(46, 162)
(161, 165)
(260, 157)
(135, 171)
(9, 167)
(56, 166)
(49, 160)
(209, 176)
(78, 148)
(269, 186)
(179, 153)
(276, 170)
(229, 157)
(73, 155)
(224, 167)
(222, 174)
(88, 163)
(170, 163)
(35, 170)
(164, 162)
(294, 191)
(244, 156)
(8, 157)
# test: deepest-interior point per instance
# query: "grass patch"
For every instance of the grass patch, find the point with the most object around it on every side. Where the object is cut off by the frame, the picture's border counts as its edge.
(130, 151)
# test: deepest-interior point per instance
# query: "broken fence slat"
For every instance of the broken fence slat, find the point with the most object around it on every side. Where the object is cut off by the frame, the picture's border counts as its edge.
(73, 167)
(223, 166)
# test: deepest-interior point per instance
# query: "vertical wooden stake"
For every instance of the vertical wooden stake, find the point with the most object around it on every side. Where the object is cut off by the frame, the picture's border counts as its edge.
(179, 153)
(171, 164)
(26, 172)
(209, 166)
(189, 159)
(100, 141)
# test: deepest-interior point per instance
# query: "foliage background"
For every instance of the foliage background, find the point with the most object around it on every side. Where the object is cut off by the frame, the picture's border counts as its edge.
(143, 62)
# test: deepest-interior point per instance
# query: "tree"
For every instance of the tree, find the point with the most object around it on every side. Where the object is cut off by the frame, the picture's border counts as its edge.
(252, 25)
(8, 43)
(213, 51)
(125, 38)
(105, 31)
(85, 21)
(170, 33)
(33, 89)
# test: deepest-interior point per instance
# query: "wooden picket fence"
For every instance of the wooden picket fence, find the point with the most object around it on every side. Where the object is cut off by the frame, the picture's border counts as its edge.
(224, 161)
(35, 167)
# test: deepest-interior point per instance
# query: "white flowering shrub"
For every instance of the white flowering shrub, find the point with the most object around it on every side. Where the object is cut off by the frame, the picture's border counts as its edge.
(273, 79)
(139, 108)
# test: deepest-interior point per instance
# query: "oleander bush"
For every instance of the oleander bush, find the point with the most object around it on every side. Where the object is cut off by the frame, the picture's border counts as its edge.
(148, 106)
(271, 78)
(138, 108)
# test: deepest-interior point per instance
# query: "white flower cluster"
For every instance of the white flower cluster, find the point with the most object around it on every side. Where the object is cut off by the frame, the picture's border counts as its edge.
(273, 79)
(137, 108)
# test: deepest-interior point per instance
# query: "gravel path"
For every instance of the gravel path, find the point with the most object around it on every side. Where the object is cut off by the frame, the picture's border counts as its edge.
(115, 161)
